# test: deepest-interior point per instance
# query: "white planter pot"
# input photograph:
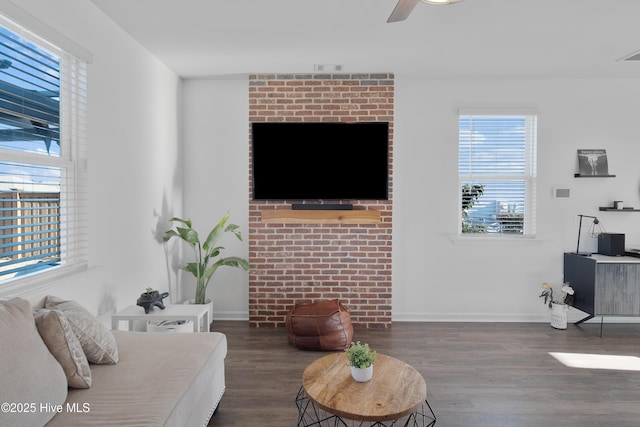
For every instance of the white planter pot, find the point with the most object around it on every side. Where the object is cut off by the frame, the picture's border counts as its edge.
(559, 316)
(208, 302)
(362, 375)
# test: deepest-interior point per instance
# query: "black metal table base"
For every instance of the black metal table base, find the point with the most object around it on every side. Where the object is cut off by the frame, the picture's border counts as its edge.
(309, 415)
(591, 316)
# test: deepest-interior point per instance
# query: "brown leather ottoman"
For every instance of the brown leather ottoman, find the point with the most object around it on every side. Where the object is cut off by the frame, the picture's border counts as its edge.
(324, 326)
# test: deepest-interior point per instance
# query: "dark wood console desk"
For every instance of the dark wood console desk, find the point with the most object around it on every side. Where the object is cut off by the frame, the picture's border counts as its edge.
(604, 285)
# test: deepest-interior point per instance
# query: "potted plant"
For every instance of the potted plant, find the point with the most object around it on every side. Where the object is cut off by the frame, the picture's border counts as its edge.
(361, 359)
(207, 254)
(559, 304)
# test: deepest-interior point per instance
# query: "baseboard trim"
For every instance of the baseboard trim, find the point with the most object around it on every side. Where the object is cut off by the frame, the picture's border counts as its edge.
(506, 318)
(460, 317)
(230, 315)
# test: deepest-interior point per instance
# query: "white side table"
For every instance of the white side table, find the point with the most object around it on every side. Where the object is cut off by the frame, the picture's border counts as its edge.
(193, 312)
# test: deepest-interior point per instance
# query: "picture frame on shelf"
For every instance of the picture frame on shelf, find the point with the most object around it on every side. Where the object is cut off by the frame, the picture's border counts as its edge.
(593, 162)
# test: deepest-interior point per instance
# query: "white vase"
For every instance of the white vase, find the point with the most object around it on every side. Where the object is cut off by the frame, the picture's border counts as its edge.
(209, 303)
(559, 316)
(362, 375)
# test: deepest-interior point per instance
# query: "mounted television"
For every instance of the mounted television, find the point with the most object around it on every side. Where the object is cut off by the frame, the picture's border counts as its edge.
(320, 161)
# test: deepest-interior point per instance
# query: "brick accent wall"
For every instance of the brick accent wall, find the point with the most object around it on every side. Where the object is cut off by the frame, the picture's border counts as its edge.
(302, 263)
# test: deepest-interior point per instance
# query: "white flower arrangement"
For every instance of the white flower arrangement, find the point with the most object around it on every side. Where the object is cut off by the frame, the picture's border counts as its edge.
(565, 298)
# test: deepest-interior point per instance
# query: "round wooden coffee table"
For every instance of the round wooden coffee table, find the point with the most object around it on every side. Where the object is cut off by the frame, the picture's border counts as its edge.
(396, 391)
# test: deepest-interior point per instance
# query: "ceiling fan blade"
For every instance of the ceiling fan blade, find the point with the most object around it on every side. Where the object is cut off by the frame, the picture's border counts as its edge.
(402, 10)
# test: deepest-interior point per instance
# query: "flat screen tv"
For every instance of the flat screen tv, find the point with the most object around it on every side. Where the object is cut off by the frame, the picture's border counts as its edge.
(320, 161)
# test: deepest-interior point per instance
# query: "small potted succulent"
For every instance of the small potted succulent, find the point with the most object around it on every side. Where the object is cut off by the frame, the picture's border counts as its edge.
(361, 359)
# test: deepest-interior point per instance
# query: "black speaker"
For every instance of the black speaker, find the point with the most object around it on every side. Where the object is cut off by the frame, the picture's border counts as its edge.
(322, 207)
(611, 244)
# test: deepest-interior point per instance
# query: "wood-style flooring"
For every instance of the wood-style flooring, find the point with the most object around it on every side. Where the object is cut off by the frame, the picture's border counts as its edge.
(477, 374)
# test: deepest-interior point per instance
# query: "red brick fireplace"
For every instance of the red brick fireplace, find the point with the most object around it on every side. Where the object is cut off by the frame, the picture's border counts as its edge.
(306, 262)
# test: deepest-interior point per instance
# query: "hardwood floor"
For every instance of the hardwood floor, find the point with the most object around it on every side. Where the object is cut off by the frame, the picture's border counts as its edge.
(477, 374)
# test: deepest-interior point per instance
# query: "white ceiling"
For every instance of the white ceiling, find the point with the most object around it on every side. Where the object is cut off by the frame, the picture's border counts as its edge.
(475, 38)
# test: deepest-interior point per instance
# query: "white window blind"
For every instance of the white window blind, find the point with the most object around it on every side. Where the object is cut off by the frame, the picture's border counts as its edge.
(497, 174)
(43, 176)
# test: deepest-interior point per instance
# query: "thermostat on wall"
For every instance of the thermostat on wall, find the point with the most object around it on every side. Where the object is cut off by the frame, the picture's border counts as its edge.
(561, 193)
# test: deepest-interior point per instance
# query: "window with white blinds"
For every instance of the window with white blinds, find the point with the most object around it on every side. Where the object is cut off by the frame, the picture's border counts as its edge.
(497, 174)
(43, 200)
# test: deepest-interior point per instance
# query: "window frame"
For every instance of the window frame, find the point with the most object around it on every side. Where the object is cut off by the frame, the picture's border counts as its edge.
(72, 160)
(529, 177)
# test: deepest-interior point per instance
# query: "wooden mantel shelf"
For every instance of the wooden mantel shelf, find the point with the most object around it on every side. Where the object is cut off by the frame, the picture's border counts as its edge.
(288, 216)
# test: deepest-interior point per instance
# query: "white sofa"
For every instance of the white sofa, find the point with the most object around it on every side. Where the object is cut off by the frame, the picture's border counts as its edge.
(158, 379)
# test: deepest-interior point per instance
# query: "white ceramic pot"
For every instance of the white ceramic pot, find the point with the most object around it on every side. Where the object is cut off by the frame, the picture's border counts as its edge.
(559, 316)
(362, 375)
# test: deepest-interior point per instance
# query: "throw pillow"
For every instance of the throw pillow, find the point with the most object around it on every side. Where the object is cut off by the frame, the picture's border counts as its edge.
(30, 374)
(65, 346)
(97, 341)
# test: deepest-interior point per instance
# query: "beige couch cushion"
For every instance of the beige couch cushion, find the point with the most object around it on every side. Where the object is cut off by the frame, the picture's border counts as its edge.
(159, 381)
(30, 374)
(97, 341)
(65, 346)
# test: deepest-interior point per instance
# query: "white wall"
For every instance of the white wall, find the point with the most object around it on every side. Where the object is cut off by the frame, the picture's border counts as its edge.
(216, 163)
(436, 276)
(134, 160)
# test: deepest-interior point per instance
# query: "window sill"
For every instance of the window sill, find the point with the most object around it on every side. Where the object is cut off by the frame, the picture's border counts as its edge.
(38, 282)
(456, 238)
